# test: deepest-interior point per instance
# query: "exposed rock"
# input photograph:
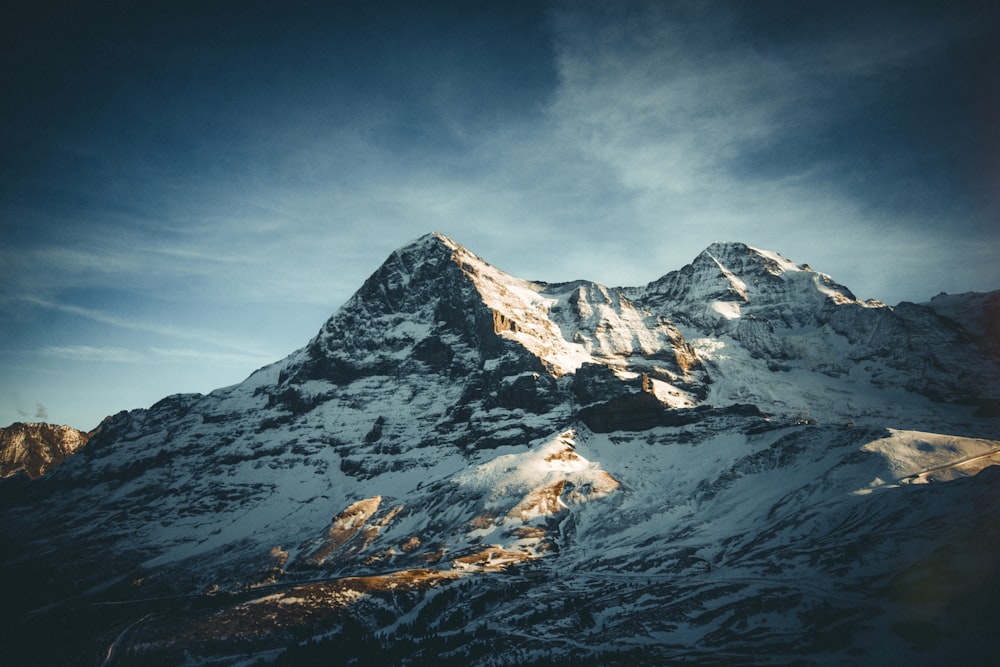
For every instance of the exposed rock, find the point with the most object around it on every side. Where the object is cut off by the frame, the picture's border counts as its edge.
(631, 412)
(36, 448)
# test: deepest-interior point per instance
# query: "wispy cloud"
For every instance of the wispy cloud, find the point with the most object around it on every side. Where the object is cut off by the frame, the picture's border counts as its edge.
(102, 317)
(712, 134)
(120, 355)
(645, 93)
(90, 353)
(214, 358)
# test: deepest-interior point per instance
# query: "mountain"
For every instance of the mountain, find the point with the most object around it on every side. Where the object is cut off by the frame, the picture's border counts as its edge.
(738, 463)
(799, 319)
(35, 448)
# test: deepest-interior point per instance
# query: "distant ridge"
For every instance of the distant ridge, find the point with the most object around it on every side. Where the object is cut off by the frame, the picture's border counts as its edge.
(35, 448)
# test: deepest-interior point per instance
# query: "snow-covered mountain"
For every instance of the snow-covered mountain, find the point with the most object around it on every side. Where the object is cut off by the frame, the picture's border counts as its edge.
(731, 464)
(795, 318)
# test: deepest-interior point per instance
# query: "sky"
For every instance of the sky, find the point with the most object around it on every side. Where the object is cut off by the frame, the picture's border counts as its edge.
(188, 190)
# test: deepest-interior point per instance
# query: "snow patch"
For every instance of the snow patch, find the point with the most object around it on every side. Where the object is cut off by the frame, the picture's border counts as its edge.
(728, 309)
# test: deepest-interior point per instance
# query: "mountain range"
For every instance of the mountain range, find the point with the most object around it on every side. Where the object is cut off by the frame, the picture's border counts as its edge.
(737, 463)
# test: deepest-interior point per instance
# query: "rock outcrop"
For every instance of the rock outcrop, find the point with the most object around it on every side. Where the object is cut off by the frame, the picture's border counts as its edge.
(34, 448)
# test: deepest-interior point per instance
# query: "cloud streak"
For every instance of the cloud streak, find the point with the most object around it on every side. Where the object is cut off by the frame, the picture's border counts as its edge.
(117, 321)
(155, 355)
(91, 354)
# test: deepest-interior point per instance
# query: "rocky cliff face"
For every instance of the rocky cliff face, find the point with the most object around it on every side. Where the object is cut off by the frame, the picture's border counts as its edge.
(730, 461)
(35, 448)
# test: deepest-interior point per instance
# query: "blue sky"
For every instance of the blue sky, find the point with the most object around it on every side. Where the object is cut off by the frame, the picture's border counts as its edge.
(189, 189)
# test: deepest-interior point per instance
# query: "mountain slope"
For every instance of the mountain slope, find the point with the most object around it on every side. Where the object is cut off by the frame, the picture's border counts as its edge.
(472, 464)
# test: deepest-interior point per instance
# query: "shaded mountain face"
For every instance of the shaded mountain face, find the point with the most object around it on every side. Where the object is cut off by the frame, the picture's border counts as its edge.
(35, 448)
(739, 462)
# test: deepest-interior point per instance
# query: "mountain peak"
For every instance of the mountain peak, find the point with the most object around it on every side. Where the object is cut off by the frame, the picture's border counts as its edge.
(428, 243)
(726, 247)
(731, 281)
(410, 267)
(433, 249)
(742, 259)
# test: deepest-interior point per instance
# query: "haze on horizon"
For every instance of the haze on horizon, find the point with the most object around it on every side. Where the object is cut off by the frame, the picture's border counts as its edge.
(190, 189)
